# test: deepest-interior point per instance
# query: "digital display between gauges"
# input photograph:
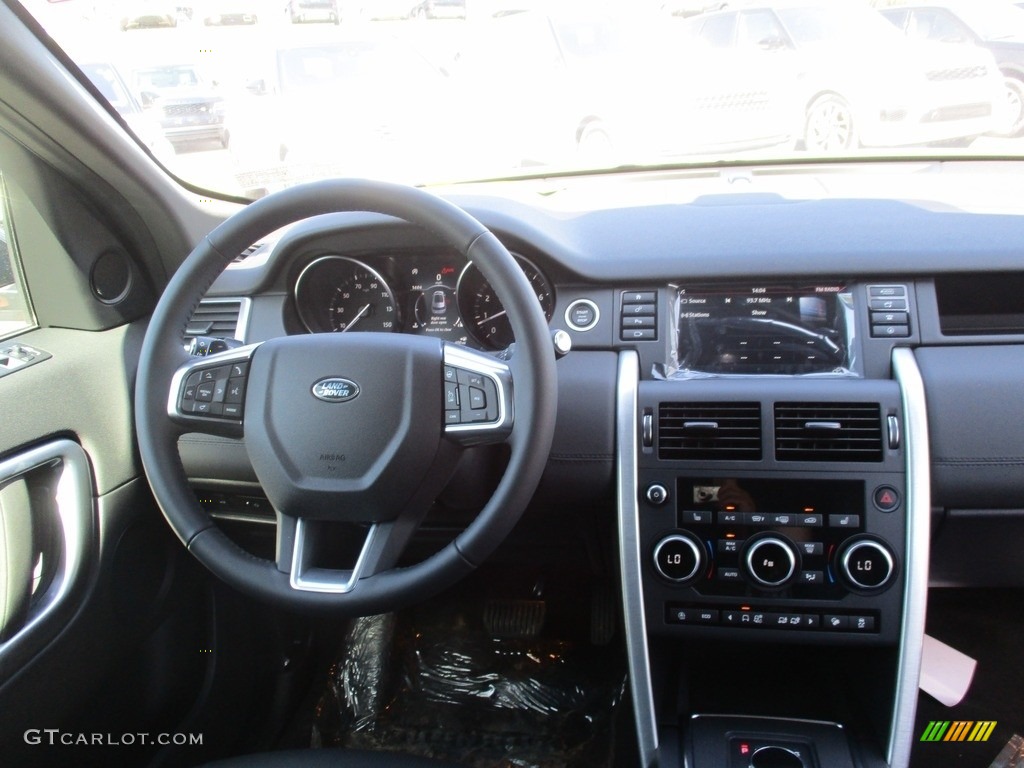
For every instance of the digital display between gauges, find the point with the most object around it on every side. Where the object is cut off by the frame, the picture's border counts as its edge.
(483, 312)
(434, 309)
(781, 329)
(340, 294)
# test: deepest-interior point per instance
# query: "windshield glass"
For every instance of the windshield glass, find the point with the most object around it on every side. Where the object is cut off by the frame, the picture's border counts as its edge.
(247, 96)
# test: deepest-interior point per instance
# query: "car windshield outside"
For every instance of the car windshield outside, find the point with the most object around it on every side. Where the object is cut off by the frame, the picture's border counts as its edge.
(258, 95)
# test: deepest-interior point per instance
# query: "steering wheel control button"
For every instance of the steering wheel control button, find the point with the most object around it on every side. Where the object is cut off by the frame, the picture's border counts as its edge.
(867, 565)
(582, 315)
(770, 561)
(477, 399)
(886, 498)
(678, 558)
(657, 494)
(450, 374)
(451, 396)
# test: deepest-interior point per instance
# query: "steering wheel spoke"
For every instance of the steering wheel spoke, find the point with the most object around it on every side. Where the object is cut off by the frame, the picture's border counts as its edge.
(478, 400)
(207, 394)
(382, 544)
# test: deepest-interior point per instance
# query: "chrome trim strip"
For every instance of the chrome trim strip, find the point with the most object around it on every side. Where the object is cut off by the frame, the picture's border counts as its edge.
(324, 580)
(75, 510)
(244, 313)
(629, 559)
(915, 593)
(243, 517)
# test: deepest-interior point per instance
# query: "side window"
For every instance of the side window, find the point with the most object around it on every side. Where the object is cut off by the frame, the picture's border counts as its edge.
(760, 30)
(936, 25)
(15, 310)
(719, 31)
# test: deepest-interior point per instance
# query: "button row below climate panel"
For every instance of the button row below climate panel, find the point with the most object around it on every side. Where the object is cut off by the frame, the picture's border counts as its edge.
(681, 614)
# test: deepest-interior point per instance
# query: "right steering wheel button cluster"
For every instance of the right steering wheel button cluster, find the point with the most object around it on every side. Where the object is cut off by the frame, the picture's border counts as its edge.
(469, 397)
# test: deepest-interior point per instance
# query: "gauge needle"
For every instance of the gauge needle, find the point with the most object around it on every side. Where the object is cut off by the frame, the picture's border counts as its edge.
(495, 316)
(357, 318)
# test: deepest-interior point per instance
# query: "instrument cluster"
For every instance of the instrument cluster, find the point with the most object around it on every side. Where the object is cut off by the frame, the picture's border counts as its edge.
(432, 294)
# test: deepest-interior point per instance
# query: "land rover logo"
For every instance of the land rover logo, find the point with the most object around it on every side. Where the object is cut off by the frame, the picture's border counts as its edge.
(335, 390)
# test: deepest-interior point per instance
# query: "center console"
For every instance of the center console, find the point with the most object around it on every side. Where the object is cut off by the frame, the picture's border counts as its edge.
(771, 520)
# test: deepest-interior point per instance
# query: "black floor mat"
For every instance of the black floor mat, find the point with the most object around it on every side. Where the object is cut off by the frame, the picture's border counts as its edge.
(439, 681)
(988, 626)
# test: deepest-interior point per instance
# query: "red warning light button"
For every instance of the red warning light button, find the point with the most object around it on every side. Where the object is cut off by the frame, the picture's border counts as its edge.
(886, 498)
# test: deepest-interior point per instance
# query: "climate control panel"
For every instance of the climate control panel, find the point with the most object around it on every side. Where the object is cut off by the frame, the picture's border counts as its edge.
(802, 554)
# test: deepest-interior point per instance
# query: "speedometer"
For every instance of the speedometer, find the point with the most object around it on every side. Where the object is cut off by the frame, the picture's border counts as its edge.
(484, 314)
(339, 294)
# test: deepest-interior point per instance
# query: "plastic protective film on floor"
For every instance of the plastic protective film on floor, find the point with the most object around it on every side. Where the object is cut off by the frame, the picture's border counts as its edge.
(1012, 755)
(445, 686)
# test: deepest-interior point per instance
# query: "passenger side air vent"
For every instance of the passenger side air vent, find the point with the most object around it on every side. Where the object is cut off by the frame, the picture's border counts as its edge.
(215, 317)
(828, 432)
(709, 431)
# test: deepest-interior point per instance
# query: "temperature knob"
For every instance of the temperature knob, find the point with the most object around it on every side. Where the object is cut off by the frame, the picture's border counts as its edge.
(771, 561)
(679, 557)
(867, 564)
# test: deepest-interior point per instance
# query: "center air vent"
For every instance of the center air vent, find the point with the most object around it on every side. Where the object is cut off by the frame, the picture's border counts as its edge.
(828, 432)
(215, 317)
(709, 431)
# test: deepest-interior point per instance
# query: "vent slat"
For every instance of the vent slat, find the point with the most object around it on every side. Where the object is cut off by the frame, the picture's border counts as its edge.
(214, 317)
(714, 431)
(859, 437)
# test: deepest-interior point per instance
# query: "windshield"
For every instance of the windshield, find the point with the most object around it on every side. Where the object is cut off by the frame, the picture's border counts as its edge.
(243, 97)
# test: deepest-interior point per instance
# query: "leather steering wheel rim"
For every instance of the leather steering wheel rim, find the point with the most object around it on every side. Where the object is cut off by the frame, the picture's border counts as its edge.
(534, 395)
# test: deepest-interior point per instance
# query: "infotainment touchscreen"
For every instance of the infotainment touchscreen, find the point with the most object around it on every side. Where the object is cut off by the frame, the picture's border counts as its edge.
(764, 329)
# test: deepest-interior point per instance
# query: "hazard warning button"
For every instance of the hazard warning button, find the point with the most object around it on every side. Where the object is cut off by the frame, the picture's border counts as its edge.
(886, 498)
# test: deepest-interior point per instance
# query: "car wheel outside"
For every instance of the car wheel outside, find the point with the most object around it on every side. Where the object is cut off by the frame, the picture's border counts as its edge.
(594, 145)
(829, 125)
(1014, 95)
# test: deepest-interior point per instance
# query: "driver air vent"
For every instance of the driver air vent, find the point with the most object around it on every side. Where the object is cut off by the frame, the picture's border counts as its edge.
(709, 431)
(247, 253)
(215, 317)
(828, 432)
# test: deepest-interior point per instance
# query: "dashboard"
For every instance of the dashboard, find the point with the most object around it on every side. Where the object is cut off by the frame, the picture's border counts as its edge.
(774, 392)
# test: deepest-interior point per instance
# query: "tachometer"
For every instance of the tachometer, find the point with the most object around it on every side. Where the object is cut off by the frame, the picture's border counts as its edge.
(339, 294)
(482, 312)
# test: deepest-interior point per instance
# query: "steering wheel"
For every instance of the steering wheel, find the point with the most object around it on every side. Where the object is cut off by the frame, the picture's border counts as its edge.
(364, 428)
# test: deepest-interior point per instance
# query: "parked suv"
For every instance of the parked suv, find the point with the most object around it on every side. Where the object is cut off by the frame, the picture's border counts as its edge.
(302, 11)
(190, 109)
(997, 27)
(871, 88)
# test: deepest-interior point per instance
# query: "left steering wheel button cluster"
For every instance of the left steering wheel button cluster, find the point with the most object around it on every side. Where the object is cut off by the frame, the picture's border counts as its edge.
(215, 391)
